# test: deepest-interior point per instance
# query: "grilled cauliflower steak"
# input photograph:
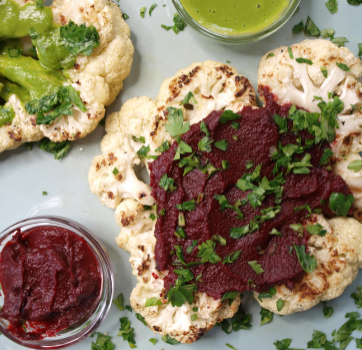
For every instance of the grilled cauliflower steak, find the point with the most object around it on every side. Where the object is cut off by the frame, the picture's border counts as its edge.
(133, 134)
(98, 77)
(338, 255)
(333, 71)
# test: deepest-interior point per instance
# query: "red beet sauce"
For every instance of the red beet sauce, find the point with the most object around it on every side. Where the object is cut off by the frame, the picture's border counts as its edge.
(257, 135)
(50, 280)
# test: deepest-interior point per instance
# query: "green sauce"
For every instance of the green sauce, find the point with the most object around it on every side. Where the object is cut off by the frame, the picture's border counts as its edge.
(235, 17)
(25, 76)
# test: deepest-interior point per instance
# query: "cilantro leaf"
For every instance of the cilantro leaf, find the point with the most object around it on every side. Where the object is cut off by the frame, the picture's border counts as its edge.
(256, 267)
(272, 54)
(238, 232)
(307, 262)
(344, 332)
(139, 139)
(103, 342)
(359, 343)
(327, 310)
(298, 27)
(178, 26)
(327, 153)
(79, 39)
(153, 341)
(280, 304)
(127, 332)
(207, 252)
(269, 294)
(119, 302)
(239, 321)
(125, 16)
(164, 147)
(229, 296)
(59, 149)
(311, 29)
(318, 340)
(221, 240)
(343, 66)
(356, 165)
(154, 301)
(357, 297)
(152, 8)
(339, 41)
(181, 293)
(332, 6)
(324, 71)
(304, 60)
(190, 205)
(229, 259)
(141, 319)
(284, 344)
(205, 144)
(227, 116)
(189, 97)
(266, 316)
(143, 152)
(185, 273)
(316, 229)
(223, 145)
(230, 346)
(143, 11)
(168, 340)
(282, 123)
(340, 204)
(167, 183)
(191, 247)
(176, 125)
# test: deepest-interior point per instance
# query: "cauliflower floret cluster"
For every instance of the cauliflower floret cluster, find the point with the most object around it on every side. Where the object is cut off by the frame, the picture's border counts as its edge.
(331, 71)
(98, 77)
(134, 134)
(338, 255)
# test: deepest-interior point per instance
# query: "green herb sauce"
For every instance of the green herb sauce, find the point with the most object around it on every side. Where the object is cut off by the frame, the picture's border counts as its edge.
(235, 17)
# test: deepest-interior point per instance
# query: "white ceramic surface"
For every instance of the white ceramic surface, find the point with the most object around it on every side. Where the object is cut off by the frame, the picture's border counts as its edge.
(24, 174)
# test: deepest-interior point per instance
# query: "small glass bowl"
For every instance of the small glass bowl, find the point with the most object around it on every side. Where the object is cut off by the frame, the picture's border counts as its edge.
(236, 39)
(99, 310)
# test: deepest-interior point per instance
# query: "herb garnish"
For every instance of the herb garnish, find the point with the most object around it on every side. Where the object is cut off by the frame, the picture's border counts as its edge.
(143, 11)
(307, 262)
(103, 342)
(167, 183)
(151, 9)
(227, 116)
(207, 252)
(119, 302)
(127, 332)
(269, 294)
(327, 310)
(229, 259)
(190, 205)
(280, 304)
(189, 97)
(59, 149)
(356, 165)
(168, 340)
(256, 267)
(153, 302)
(340, 204)
(266, 316)
(176, 126)
(332, 6)
(178, 26)
(223, 145)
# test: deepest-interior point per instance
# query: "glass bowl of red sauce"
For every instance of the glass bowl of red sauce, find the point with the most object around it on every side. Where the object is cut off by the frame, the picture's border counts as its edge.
(57, 283)
(236, 21)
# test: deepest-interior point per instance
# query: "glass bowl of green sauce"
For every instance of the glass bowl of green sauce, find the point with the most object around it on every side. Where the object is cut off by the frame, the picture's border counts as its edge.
(236, 21)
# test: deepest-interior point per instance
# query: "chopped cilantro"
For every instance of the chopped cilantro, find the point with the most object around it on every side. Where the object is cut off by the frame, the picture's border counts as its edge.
(225, 164)
(304, 60)
(282, 123)
(297, 28)
(167, 183)
(44, 193)
(270, 54)
(168, 340)
(230, 346)
(191, 247)
(290, 52)
(311, 29)
(182, 148)
(339, 41)
(225, 204)
(249, 164)
(119, 302)
(204, 129)
(59, 149)
(79, 39)
(359, 343)
(141, 319)
(319, 339)
(327, 310)
(275, 232)
(297, 227)
(229, 296)
(204, 144)
(103, 342)
(115, 171)
(327, 33)
(190, 205)
(164, 147)
(178, 26)
(154, 301)
(238, 232)
(151, 9)
(327, 154)
(221, 240)
(194, 317)
(139, 139)
(129, 308)
(316, 229)
(227, 116)
(356, 165)
(235, 125)
(180, 233)
(240, 320)
(127, 332)
(207, 252)
(357, 297)
(307, 262)
(153, 341)
(266, 316)
(189, 97)
(324, 71)
(340, 204)
(125, 16)
(343, 67)
(332, 6)
(143, 11)
(344, 332)
(256, 267)
(181, 293)
(360, 48)
(176, 126)
(280, 304)
(229, 259)
(223, 145)
(269, 294)
(185, 273)
(284, 344)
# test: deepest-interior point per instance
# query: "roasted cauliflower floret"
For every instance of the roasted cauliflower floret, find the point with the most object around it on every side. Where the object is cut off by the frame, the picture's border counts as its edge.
(338, 255)
(334, 70)
(98, 78)
(139, 127)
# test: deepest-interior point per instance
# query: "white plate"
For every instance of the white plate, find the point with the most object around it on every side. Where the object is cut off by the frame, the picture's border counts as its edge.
(24, 174)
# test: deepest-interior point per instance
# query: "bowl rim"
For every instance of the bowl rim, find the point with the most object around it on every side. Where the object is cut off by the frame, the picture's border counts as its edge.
(234, 39)
(99, 309)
